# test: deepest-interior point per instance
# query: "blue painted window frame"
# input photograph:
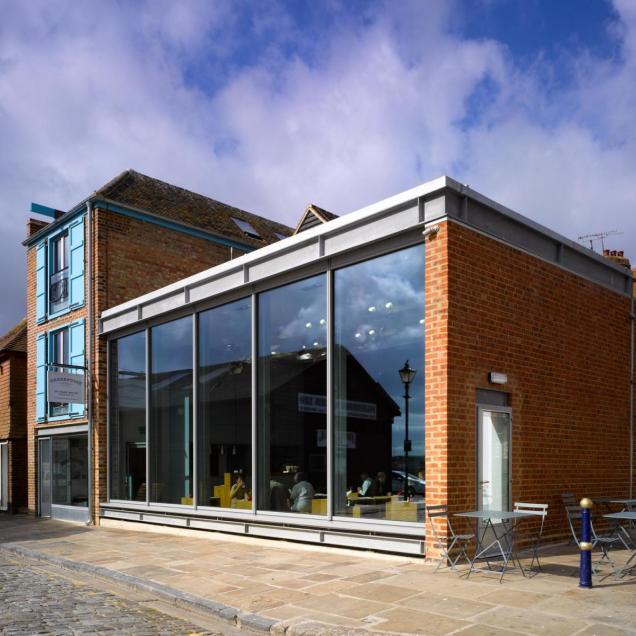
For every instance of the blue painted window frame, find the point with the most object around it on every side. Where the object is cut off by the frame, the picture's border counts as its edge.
(49, 255)
(48, 348)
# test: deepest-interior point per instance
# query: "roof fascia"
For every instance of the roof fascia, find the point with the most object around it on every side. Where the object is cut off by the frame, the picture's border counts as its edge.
(140, 214)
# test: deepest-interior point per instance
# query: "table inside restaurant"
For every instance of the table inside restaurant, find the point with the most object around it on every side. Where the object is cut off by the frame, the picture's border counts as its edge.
(501, 543)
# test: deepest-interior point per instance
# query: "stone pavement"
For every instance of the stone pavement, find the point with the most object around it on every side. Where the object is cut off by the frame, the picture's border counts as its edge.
(296, 589)
(35, 599)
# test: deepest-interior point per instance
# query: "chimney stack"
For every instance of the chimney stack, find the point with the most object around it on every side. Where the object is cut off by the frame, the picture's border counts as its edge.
(35, 225)
(618, 257)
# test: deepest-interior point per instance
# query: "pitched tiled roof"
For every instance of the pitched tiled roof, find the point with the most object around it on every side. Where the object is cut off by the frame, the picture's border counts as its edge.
(16, 338)
(139, 191)
(313, 216)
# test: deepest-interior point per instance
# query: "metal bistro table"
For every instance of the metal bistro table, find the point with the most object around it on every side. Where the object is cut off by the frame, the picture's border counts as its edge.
(630, 516)
(502, 540)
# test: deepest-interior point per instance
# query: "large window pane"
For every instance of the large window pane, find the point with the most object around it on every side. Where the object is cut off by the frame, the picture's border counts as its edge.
(171, 412)
(225, 406)
(379, 324)
(128, 418)
(292, 379)
(70, 470)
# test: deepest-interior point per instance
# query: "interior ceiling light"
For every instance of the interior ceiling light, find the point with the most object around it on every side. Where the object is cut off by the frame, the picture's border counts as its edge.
(388, 305)
(371, 332)
(358, 334)
(323, 321)
(422, 321)
(316, 344)
(372, 308)
(308, 325)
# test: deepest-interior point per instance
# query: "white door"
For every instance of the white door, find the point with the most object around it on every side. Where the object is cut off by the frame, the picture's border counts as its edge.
(494, 479)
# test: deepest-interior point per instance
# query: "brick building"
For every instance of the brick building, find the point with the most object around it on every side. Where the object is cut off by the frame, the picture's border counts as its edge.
(13, 424)
(131, 236)
(265, 398)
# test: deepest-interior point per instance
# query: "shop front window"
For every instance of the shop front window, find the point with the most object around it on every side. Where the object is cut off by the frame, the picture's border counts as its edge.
(292, 405)
(225, 406)
(128, 418)
(379, 324)
(171, 461)
(70, 470)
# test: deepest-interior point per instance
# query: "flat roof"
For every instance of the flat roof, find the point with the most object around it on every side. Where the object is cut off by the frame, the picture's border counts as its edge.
(433, 201)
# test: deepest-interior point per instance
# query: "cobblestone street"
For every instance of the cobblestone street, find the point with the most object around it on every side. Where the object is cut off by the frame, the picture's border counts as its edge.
(37, 599)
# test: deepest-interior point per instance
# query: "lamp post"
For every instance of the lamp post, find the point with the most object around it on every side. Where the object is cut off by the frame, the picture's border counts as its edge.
(407, 374)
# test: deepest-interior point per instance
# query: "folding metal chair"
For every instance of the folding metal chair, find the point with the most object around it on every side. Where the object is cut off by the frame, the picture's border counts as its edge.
(537, 510)
(569, 499)
(603, 541)
(450, 541)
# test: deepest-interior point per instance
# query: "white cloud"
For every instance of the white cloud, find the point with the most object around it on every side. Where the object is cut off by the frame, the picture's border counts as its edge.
(208, 96)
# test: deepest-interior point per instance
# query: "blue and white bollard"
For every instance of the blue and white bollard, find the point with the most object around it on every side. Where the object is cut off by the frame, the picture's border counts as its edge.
(585, 544)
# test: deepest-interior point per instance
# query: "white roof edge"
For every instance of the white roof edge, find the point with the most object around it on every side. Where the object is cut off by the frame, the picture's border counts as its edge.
(542, 229)
(294, 240)
(354, 218)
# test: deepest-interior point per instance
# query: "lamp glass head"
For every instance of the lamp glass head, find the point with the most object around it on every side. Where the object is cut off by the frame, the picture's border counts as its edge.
(407, 374)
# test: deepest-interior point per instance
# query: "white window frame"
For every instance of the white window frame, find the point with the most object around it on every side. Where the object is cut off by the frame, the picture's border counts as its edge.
(4, 475)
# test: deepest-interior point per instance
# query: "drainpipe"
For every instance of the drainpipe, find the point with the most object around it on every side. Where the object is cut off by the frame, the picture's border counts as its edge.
(631, 401)
(89, 213)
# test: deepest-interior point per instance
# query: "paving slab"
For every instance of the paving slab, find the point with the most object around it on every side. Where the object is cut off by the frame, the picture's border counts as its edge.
(295, 589)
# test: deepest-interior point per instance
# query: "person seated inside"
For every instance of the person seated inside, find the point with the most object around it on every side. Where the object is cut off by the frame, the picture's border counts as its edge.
(366, 480)
(239, 490)
(278, 494)
(381, 488)
(302, 493)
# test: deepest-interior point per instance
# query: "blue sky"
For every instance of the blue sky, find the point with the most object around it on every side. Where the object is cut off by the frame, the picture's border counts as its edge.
(273, 105)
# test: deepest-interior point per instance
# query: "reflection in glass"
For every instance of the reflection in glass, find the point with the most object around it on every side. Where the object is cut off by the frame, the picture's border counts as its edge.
(128, 418)
(70, 470)
(379, 324)
(292, 389)
(171, 412)
(225, 392)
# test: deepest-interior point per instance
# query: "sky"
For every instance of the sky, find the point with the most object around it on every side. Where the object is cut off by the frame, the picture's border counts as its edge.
(273, 105)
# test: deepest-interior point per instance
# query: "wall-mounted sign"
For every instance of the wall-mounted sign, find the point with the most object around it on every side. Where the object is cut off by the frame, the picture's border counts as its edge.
(310, 403)
(346, 439)
(65, 388)
(495, 377)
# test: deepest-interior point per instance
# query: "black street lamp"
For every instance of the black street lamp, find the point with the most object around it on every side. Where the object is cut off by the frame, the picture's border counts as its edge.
(407, 374)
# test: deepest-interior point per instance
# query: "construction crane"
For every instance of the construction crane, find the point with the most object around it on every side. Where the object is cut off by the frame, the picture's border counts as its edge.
(599, 236)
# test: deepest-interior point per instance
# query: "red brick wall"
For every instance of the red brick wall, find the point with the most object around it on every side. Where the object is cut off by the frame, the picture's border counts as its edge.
(13, 426)
(564, 344)
(130, 258)
(5, 386)
(436, 376)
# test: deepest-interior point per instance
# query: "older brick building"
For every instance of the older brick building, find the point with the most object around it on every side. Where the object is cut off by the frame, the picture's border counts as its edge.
(266, 396)
(13, 428)
(131, 236)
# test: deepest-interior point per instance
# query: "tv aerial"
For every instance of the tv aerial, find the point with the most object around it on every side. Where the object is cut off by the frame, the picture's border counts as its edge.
(599, 236)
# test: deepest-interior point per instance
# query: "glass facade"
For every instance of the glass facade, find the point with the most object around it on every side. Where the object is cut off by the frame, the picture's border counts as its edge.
(128, 418)
(377, 469)
(170, 435)
(292, 390)
(225, 406)
(379, 324)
